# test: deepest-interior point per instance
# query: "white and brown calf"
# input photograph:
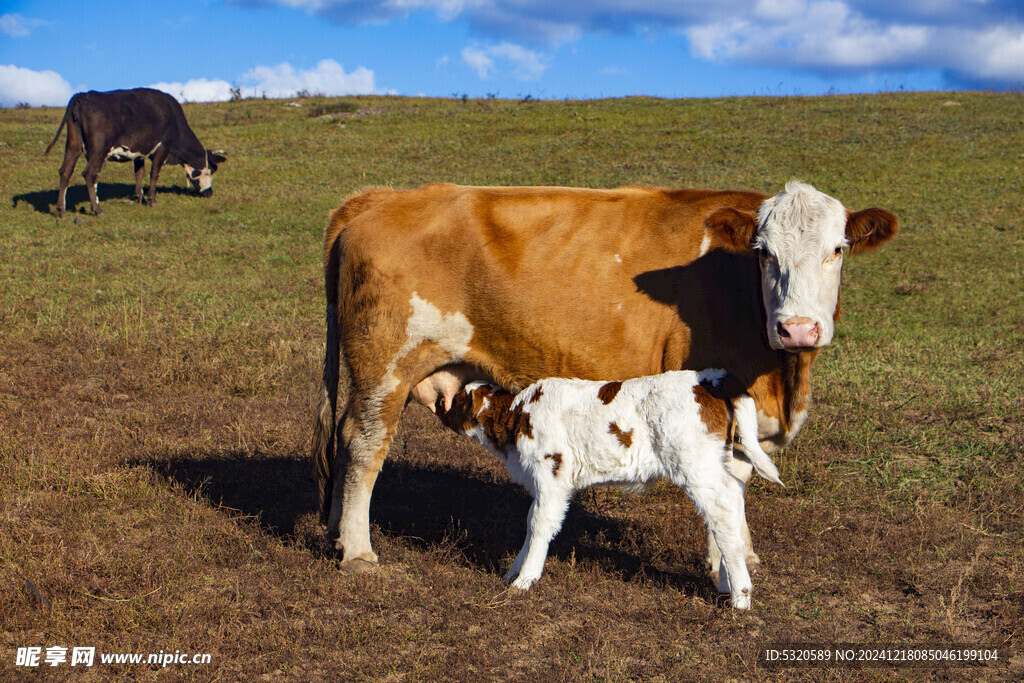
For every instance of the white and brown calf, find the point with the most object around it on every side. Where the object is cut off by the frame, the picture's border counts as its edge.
(558, 436)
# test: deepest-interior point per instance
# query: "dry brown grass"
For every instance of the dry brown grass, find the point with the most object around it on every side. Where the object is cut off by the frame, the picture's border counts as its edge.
(157, 370)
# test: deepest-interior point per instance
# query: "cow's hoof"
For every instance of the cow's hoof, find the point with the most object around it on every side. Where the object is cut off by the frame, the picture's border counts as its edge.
(358, 566)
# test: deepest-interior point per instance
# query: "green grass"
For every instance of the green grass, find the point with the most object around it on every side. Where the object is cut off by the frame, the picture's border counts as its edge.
(158, 366)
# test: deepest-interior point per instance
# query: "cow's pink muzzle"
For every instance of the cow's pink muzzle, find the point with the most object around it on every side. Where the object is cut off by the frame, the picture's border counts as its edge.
(799, 333)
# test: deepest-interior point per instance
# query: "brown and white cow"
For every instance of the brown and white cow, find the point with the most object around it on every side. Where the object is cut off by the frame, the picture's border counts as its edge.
(131, 125)
(518, 284)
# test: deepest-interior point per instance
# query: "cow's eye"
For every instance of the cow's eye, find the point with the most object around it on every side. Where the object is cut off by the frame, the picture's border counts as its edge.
(838, 251)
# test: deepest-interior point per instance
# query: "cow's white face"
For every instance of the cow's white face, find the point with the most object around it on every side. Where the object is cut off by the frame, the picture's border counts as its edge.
(201, 179)
(800, 237)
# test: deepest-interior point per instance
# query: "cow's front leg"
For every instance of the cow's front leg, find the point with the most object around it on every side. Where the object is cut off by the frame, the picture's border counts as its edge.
(91, 174)
(740, 468)
(140, 167)
(154, 173)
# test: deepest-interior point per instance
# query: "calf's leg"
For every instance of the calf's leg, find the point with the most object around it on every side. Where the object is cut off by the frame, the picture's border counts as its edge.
(545, 520)
(741, 468)
(722, 508)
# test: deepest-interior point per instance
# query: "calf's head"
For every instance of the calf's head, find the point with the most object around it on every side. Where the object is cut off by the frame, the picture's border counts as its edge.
(463, 416)
(799, 236)
(201, 179)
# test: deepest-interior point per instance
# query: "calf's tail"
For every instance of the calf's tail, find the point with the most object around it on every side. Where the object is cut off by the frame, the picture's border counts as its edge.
(746, 426)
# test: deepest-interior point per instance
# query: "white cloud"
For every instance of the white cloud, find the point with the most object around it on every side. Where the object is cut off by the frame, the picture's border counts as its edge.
(328, 78)
(197, 90)
(37, 88)
(526, 64)
(282, 80)
(18, 26)
(832, 34)
(992, 55)
(825, 34)
(969, 39)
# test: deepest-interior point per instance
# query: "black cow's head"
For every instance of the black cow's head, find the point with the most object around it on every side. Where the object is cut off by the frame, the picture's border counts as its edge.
(201, 179)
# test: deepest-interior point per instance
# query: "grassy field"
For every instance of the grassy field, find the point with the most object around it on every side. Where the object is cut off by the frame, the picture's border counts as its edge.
(158, 369)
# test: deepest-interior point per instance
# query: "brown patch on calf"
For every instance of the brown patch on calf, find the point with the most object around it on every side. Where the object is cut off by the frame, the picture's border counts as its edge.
(608, 392)
(557, 457)
(537, 394)
(713, 411)
(523, 426)
(625, 438)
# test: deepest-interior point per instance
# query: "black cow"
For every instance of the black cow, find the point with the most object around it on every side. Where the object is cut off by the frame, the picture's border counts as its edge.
(131, 125)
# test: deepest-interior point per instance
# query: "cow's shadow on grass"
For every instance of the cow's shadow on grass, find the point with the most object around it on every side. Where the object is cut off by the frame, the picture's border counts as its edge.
(426, 507)
(77, 200)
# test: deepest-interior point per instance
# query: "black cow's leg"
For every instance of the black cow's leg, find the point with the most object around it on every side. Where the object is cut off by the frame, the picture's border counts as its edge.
(157, 161)
(140, 166)
(93, 165)
(71, 154)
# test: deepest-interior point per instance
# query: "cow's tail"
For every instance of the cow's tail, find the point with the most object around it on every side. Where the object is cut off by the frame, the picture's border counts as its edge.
(325, 418)
(63, 122)
(746, 425)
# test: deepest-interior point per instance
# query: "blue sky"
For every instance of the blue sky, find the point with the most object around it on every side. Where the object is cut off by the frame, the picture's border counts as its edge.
(547, 49)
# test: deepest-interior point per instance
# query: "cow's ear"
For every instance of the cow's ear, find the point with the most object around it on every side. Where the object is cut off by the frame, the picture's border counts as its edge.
(870, 228)
(217, 157)
(731, 229)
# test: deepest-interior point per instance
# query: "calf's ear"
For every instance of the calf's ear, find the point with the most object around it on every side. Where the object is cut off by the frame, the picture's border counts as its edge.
(870, 228)
(217, 157)
(731, 229)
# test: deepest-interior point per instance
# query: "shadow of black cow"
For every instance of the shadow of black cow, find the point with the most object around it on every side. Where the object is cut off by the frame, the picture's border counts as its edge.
(45, 201)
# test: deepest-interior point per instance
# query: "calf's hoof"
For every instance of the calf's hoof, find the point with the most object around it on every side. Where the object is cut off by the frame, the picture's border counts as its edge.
(523, 583)
(741, 600)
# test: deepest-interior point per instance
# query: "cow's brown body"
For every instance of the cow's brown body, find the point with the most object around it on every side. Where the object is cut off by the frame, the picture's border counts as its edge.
(519, 284)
